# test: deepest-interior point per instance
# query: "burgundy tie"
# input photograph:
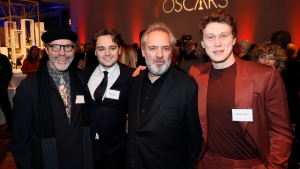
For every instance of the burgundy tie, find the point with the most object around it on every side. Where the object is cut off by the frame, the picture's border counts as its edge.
(100, 90)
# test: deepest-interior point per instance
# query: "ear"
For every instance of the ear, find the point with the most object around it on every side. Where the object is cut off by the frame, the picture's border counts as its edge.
(120, 49)
(46, 49)
(143, 52)
(202, 44)
(234, 40)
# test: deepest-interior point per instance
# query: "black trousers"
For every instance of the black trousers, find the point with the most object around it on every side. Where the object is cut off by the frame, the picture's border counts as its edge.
(6, 107)
(107, 161)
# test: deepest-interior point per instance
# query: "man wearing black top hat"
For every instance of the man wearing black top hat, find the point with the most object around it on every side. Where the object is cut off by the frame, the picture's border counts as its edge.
(50, 122)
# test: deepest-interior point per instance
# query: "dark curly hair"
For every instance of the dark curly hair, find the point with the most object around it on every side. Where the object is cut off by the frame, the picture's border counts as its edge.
(269, 48)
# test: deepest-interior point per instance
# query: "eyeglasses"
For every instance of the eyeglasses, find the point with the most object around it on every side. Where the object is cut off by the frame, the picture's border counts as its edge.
(57, 47)
(272, 58)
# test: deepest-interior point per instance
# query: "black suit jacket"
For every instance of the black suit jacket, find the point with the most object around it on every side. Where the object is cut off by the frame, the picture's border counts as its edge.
(170, 137)
(26, 135)
(108, 118)
(5, 72)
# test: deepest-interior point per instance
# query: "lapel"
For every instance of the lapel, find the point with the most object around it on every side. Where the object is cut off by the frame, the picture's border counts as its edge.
(135, 90)
(121, 82)
(202, 76)
(244, 89)
(166, 87)
(125, 75)
(86, 75)
(75, 91)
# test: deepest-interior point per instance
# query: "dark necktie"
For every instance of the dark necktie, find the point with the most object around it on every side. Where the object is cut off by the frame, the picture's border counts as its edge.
(100, 90)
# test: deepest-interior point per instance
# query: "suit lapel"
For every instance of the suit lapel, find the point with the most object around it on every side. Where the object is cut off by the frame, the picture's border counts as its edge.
(74, 92)
(136, 89)
(244, 89)
(161, 95)
(125, 75)
(122, 80)
(86, 75)
(202, 78)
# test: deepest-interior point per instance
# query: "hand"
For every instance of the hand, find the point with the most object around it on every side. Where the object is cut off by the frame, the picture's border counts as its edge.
(137, 70)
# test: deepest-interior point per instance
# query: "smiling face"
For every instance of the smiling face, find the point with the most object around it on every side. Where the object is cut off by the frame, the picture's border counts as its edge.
(107, 51)
(61, 60)
(268, 59)
(218, 42)
(157, 52)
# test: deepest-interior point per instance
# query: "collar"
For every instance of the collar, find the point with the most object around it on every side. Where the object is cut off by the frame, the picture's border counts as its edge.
(113, 71)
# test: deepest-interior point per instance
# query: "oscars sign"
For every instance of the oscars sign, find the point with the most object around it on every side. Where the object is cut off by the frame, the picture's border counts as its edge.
(185, 5)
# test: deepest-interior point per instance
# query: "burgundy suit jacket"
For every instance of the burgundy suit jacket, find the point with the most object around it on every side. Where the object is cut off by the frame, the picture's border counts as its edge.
(260, 88)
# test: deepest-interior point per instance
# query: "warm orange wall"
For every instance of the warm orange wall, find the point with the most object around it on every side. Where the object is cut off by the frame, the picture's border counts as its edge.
(257, 19)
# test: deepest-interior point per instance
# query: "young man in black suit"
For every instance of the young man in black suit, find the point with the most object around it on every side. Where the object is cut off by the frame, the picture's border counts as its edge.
(108, 108)
(164, 129)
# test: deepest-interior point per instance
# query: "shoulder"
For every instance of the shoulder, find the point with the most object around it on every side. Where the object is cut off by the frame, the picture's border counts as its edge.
(28, 85)
(200, 69)
(4, 59)
(258, 73)
(125, 69)
(182, 78)
(254, 67)
(88, 70)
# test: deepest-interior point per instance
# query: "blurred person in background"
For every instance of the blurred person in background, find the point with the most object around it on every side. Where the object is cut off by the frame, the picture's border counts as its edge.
(31, 62)
(270, 54)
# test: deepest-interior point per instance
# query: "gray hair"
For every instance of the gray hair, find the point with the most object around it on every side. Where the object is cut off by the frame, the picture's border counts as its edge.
(158, 26)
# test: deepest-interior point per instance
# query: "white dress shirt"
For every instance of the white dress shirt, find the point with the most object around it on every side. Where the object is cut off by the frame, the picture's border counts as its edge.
(97, 76)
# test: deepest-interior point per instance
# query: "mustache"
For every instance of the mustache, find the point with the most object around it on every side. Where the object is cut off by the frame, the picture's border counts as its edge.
(159, 59)
(63, 57)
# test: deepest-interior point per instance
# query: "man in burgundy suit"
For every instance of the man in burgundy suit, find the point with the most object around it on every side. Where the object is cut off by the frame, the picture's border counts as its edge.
(242, 105)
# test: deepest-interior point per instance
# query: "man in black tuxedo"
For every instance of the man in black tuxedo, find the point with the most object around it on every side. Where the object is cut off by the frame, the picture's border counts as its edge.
(164, 129)
(108, 108)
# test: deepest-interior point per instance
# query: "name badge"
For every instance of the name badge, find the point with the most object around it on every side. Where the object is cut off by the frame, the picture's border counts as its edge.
(239, 115)
(79, 99)
(112, 94)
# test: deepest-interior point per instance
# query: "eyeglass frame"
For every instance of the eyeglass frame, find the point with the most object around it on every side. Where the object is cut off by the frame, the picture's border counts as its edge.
(64, 47)
(264, 57)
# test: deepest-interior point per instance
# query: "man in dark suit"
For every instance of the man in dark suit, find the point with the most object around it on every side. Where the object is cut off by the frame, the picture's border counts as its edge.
(50, 121)
(108, 108)
(5, 76)
(242, 105)
(163, 125)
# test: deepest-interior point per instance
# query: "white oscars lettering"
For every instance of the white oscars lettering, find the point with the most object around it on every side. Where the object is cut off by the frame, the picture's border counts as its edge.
(178, 10)
(185, 6)
(170, 9)
(177, 6)
(224, 6)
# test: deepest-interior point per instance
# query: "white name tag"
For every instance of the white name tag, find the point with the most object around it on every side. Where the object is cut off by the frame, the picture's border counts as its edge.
(112, 94)
(79, 99)
(242, 115)
(97, 136)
